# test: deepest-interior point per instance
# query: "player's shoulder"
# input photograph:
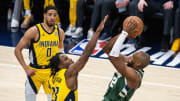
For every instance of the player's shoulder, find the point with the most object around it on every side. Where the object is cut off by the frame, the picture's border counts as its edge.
(32, 32)
(33, 29)
(61, 30)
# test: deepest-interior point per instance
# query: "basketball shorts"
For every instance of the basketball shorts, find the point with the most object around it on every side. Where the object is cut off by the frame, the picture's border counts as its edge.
(41, 77)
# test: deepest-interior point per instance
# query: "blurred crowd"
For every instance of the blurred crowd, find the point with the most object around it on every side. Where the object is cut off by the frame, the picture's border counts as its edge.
(80, 18)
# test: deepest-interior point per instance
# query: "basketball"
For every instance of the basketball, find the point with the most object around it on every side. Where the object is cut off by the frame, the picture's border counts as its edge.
(133, 25)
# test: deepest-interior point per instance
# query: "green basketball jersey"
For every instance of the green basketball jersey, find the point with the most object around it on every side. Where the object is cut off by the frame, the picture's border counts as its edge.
(118, 89)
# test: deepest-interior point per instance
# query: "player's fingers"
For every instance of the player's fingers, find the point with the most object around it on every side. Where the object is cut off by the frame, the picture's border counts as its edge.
(105, 18)
(33, 73)
(34, 70)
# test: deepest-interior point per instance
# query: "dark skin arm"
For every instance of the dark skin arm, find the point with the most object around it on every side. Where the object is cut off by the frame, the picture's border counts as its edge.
(72, 73)
(119, 63)
(107, 48)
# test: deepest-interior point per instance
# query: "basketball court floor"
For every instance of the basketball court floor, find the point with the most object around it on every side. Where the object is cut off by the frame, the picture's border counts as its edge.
(159, 83)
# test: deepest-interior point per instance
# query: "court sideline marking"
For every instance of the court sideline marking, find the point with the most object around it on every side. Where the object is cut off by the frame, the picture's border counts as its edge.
(104, 77)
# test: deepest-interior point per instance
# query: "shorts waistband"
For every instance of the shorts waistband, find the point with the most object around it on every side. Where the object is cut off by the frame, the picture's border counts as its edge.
(40, 67)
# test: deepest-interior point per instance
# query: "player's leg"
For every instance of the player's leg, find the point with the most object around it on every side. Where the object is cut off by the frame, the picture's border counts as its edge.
(47, 90)
(33, 85)
(30, 95)
(31, 89)
(46, 87)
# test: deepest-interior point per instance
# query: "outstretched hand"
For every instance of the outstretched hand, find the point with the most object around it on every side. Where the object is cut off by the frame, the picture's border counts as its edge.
(101, 26)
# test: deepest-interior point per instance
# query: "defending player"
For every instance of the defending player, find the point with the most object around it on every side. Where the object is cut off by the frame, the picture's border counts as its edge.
(45, 40)
(129, 69)
(64, 72)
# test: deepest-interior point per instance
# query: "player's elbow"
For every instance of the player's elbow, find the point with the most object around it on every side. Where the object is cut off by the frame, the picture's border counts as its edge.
(17, 50)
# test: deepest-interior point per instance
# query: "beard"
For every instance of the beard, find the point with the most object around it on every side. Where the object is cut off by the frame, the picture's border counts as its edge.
(130, 64)
(50, 24)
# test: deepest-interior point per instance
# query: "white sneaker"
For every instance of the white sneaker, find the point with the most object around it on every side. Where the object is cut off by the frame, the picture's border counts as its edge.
(69, 30)
(73, 29)
(90, 34)
(14, 23)
(78, 33)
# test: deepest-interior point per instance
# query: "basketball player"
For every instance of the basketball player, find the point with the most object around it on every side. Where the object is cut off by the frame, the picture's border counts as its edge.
(64, 72)
(129, 69)
(45, 40)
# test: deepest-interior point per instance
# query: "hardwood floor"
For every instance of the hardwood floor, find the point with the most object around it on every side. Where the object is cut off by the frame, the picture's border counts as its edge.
(159, 83)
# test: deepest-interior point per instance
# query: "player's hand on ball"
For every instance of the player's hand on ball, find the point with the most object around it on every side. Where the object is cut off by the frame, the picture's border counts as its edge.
(133, 25)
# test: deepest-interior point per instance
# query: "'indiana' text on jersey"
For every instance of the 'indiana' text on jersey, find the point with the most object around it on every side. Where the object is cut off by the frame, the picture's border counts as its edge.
(118, 89)
(45, 47)
(60, 91)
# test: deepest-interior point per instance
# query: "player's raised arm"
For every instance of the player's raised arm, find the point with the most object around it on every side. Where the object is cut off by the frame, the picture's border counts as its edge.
(107, 48)
(77, 66)
(131, 30)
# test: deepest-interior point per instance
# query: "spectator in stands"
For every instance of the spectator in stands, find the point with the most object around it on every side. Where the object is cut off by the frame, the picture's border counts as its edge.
(36, 8)
(16, 13)
(114, 8)
(176, 43)
(150, 7)
(82, 11)
(28, 16)
(95, 18)
(63, 9)
(72, 17)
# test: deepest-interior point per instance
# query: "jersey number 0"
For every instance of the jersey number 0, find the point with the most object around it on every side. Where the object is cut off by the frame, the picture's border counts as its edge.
(48, 52)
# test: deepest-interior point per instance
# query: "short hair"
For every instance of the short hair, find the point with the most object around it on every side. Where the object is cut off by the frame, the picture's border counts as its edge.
(50, 7)
(143, 58)
(54, 63)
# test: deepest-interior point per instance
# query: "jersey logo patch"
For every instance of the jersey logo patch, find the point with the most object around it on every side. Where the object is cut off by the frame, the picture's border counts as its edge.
(56, 33)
